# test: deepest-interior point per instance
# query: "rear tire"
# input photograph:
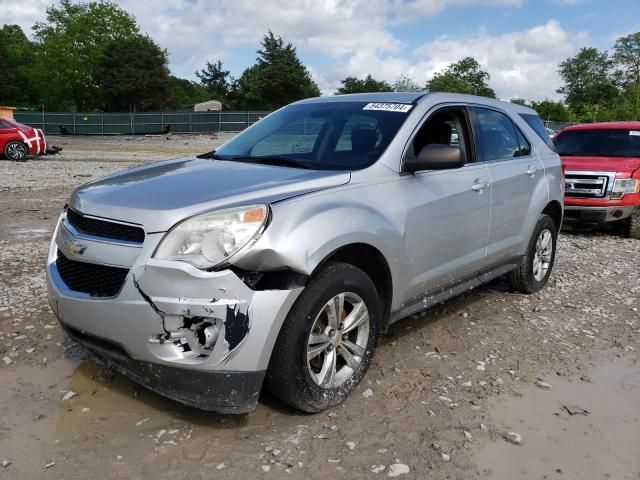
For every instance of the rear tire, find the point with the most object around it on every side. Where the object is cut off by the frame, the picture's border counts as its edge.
(15, 151)
(320, 357)
(634, 226)
(533, 273)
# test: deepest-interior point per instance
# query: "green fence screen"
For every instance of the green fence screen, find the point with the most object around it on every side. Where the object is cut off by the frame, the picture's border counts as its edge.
(138, 123)
(153, 123)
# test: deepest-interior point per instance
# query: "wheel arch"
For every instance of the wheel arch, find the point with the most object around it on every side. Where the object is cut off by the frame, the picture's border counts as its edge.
(554, 210)
(371, 261)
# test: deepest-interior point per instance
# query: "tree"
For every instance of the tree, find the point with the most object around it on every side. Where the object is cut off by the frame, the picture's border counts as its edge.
(215, 80)
(366, 85)
(547, 109)
(550, 110)
(278, 78)
(70, 43)
(464, 76)
(16, 55)
(405, 83)
(589, 88)
(626, 59)
(132, 73)
(185, 93)
(520, 101)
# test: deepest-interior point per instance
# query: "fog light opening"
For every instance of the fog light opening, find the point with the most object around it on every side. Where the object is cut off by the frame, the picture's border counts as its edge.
(192, 335)
(207, 335)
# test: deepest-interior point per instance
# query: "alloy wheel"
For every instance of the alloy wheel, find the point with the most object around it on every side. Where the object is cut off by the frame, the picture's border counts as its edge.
(16, 151)
(338, 340)
(543, 254)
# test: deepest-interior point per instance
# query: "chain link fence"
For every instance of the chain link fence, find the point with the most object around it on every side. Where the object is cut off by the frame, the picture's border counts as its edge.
(139, 123)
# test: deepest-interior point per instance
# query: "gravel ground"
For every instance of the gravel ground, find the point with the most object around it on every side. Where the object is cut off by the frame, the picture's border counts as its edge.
(432, 404)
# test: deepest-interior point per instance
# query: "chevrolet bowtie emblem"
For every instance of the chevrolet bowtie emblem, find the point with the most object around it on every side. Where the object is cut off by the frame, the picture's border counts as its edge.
(75, 248)
(70, 245)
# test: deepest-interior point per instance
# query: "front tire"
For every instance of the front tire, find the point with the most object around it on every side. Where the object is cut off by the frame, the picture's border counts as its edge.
(533, 273)
(15, 151)
(327, 341)
(634, 226)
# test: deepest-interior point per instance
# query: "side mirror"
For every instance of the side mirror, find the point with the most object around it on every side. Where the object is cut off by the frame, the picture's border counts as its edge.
(436, 157)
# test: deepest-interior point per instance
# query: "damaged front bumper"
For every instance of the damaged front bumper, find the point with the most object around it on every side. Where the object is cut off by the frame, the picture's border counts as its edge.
(201, 338)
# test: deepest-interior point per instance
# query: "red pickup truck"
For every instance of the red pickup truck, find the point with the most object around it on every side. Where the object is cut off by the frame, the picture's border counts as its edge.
(602, 173)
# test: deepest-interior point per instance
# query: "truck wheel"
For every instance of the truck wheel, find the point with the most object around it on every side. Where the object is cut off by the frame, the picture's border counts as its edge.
(634, 226)
(15, 151)
(533, 273)
(327, 341)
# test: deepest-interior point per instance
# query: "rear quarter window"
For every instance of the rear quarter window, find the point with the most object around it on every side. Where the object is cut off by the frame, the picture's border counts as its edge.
(536, 124)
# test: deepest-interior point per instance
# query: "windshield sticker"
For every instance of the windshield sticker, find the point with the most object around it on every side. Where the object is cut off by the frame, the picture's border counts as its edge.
(635, 133)
(388, 107)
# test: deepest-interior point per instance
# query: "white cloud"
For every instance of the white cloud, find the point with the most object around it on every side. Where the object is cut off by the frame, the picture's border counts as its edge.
(522, 63)
(341, 38)
(430, 8)
(23, 13)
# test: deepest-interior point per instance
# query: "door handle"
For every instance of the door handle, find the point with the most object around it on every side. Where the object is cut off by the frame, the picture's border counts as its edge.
(479, 186)
(532, 170)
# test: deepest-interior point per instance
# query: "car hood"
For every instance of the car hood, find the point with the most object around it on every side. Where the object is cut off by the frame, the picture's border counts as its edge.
(612, 164)
(159, 195)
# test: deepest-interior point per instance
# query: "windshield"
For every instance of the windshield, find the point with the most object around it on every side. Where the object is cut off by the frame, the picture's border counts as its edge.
(320, 136)
(599, 143)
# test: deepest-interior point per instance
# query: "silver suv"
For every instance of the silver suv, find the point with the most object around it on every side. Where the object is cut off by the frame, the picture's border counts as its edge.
(281, 256)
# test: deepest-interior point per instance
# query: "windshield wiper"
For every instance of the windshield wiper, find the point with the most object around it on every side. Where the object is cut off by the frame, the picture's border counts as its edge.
(270, 160)
(213, 155)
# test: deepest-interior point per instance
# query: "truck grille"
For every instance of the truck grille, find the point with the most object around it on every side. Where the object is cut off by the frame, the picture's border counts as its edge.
(104, 228)
(94, 280)
(587, 185)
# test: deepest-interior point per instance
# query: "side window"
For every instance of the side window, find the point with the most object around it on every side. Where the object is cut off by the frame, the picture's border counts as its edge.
(497, 135)
(535, 123)
(525, 146)
(5, 125)
(445, 127)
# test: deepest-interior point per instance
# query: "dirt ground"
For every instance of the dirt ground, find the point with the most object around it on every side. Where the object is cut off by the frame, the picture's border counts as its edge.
(492, 384)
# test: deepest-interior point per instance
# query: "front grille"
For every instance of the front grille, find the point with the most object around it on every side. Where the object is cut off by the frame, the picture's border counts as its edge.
(104, 228)
(94, 280)
(586, 185)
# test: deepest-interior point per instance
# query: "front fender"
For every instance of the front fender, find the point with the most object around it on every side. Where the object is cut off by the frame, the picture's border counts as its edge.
(304, 231)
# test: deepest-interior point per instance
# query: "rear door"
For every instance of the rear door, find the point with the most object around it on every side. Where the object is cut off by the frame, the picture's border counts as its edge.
(447, 221)
(514, 172)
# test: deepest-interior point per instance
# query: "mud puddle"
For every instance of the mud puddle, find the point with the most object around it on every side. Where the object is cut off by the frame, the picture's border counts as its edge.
(58, 414)
(581, 427)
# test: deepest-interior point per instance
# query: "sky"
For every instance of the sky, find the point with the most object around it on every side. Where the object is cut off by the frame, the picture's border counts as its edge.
(519, 42)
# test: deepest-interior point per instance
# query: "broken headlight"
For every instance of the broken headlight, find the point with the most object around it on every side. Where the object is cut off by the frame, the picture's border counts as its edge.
(209, 239)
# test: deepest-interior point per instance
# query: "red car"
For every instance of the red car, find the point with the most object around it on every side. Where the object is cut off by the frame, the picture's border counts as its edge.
(602, 173)
(18, 140)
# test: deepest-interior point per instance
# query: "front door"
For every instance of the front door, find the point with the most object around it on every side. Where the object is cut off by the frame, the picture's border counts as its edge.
(448, 211)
